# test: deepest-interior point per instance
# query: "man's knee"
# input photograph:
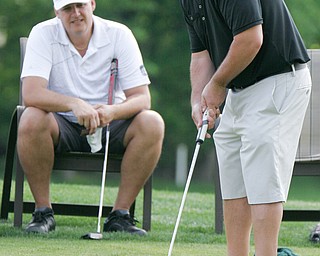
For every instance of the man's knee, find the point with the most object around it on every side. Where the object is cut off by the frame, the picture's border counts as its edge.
(148, 125)
(151, 123)
(34, 120)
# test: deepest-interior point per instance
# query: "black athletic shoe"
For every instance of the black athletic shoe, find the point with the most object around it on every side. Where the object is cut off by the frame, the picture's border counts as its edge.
(315, 234)
(121, 221)
(42, 221)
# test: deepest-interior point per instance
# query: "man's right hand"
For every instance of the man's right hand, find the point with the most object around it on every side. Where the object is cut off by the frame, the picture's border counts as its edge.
(197, 114)
(86, 115)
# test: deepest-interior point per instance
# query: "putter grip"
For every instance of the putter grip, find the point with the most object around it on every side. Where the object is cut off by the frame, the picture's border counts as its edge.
(203, 129)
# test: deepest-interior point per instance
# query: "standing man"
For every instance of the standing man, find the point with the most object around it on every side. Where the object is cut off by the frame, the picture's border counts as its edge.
(65, 89)
(254, 49)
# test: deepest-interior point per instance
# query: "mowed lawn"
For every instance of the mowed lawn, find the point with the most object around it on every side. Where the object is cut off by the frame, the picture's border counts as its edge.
(196, 235)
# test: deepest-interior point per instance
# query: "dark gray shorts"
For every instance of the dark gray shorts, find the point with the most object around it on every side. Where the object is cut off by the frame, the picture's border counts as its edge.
(70, 139)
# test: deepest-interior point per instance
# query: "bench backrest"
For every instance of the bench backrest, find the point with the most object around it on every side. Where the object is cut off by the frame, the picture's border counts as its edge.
(309, 145)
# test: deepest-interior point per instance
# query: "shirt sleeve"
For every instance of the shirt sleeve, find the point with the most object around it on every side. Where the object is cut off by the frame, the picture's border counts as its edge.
(38, 57)
(196, 44)
(131, 70)
(241, 15)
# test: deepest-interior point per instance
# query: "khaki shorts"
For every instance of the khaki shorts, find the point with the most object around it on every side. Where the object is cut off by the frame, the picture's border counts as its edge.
(258, 136)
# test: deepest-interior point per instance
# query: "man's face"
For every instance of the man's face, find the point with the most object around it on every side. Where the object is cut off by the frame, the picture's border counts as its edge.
(77, 18)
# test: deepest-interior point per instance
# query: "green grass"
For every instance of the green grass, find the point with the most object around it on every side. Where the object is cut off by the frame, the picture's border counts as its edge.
(195, 236)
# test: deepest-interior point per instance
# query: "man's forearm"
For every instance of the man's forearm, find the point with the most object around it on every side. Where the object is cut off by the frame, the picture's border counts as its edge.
(131, 106)
(201, 71)
(49, 101)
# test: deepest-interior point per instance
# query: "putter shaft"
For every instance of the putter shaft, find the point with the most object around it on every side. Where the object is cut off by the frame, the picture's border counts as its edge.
(199, 140)
(103, 180)
(193, 163)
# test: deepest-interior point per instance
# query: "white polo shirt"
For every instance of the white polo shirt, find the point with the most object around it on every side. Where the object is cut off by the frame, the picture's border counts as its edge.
(51, 55)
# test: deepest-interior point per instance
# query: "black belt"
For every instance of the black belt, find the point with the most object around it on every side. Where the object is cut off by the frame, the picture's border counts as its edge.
(289, 68)
(297, 66)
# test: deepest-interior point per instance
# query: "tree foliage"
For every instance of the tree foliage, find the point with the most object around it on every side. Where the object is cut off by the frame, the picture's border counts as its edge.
(160, 30)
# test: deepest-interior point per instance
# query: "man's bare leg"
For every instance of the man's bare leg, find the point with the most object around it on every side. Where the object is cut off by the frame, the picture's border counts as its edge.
(266, 220)
(36, 135)
(143, 141)
(237, 217)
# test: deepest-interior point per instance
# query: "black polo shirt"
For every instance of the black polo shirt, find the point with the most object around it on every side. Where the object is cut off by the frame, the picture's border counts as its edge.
(212, 24)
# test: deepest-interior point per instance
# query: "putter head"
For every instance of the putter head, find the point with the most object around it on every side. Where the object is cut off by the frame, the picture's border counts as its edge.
(92, 236)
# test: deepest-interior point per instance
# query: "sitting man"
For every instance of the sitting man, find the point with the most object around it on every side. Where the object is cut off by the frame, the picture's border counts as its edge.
(65, 90)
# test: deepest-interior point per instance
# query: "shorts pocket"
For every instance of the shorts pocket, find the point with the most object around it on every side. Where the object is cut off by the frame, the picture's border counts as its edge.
(279, 96)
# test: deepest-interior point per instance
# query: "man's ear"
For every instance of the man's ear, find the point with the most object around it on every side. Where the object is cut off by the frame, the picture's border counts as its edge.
(56, 13)
(93, 4)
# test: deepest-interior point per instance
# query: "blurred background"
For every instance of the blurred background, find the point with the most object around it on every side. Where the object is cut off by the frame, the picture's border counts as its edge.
(161, 33)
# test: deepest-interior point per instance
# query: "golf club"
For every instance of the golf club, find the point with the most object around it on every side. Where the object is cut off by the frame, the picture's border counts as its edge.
(98, 235)
(199, 140)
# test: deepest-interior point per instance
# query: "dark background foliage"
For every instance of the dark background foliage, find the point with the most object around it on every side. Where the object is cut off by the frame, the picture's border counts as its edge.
(160, 30)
